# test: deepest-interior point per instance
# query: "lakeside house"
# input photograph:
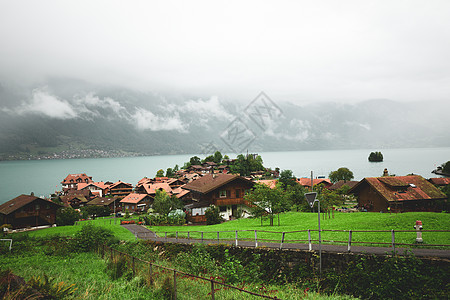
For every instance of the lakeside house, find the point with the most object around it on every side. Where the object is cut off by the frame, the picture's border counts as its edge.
(341, 183)
(72, 181)
(28, 211)
(111, 202)
(225, 191)
(136, 202)
(99, 189)
(440, 181)
(399, 193)
(120, 189)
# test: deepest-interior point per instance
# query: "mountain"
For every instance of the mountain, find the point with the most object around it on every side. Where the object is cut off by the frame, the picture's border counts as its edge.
(67, 118)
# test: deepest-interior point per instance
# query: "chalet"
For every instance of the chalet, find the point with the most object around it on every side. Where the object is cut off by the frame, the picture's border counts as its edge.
(120, 189)
(400, 193)
(72, 181)
(98, 189)
(306, 182)
(136, 202)
(223, 190)
(74, 201)
(111, 202)
(28, 211)
(175, 183)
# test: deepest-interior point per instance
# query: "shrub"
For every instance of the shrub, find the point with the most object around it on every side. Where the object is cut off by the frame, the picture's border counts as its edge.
(66, 216)
(90, 236)
(197, 262)
(213, 216)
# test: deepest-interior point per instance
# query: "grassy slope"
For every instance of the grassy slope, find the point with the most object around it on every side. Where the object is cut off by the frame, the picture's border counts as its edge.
(293, 221)
(119, 231)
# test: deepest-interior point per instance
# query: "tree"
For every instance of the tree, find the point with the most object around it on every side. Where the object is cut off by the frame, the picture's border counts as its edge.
(267, 201)
(96, 211)
(341, 174)
(160, 173)
(66, 216)
(218, 157)
(209, 158)
(287, 179)
(446, 168)
(195, 160)
(164, 203)
(375, 156)
(245, 165)
(170, 173)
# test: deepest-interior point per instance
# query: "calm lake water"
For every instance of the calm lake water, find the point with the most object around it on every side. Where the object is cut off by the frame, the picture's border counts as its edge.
(44, 176)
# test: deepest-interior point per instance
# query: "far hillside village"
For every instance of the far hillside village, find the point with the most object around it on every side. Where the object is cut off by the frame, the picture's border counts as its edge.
(218, 189)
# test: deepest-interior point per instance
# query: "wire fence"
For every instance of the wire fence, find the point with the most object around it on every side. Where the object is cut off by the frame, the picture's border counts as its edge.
(256, 237)
(112, 253)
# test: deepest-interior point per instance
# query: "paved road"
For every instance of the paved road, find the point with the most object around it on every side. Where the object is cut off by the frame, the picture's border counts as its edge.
(143, 233)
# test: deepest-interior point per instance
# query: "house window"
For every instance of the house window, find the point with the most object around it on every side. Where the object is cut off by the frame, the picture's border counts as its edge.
(223, 208)
(223, 194)
(238, 193)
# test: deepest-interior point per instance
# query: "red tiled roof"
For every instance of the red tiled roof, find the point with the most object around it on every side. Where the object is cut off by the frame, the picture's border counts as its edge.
(210, 182)
(272, 183)
(74, 178)
(402, 188)
(341, 183)
(133, 198)
(440, 180)
(118, 183)
(307, 181)
(153, 187)
(18, 202)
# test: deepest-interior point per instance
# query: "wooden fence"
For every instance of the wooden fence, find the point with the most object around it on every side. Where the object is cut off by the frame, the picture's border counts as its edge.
(111, 252)
(281, 238)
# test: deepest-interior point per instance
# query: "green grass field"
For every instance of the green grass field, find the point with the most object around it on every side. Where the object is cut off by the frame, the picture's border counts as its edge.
(119, 231)
(293, 221)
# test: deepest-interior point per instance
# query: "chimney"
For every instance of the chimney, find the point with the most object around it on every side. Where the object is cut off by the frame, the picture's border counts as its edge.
(32, 194)
(385, 172)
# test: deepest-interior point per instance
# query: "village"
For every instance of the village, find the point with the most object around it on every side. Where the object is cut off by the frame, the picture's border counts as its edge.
(222, 183)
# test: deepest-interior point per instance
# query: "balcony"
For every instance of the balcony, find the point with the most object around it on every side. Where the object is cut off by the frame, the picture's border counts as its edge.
(230, 201)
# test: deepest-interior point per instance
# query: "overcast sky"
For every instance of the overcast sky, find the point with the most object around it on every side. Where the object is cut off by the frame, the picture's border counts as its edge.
(293, 50)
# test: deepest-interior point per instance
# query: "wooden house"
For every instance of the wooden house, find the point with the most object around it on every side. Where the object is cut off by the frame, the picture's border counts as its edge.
(400, 193)
(223, 190)
(111, 202)
(72, 181)
(136, 202)
(306, 182)
(120, 189)
(28, 211)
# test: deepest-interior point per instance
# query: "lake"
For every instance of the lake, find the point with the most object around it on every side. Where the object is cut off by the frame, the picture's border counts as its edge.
(43, 177)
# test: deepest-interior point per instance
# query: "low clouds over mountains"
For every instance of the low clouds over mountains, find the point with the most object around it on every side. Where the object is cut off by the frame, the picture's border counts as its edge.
(55, 117)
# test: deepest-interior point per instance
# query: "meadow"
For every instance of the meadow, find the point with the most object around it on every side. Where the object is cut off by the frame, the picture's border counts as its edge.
(300, 221)
(296, 221)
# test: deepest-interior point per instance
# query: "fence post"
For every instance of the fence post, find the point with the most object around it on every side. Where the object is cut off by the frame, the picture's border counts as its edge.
(175, 284)
(256, 240)
(188, 235)
(176, 236)
(212, 290)
(309, 239)
(202, 237)
(282, 240)
(103, 251)
(165, 237)
(393, 240)
(151, 270)
(236, 238)
(218, 240)
(134, 268)
(111, 253)
(349, 240)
